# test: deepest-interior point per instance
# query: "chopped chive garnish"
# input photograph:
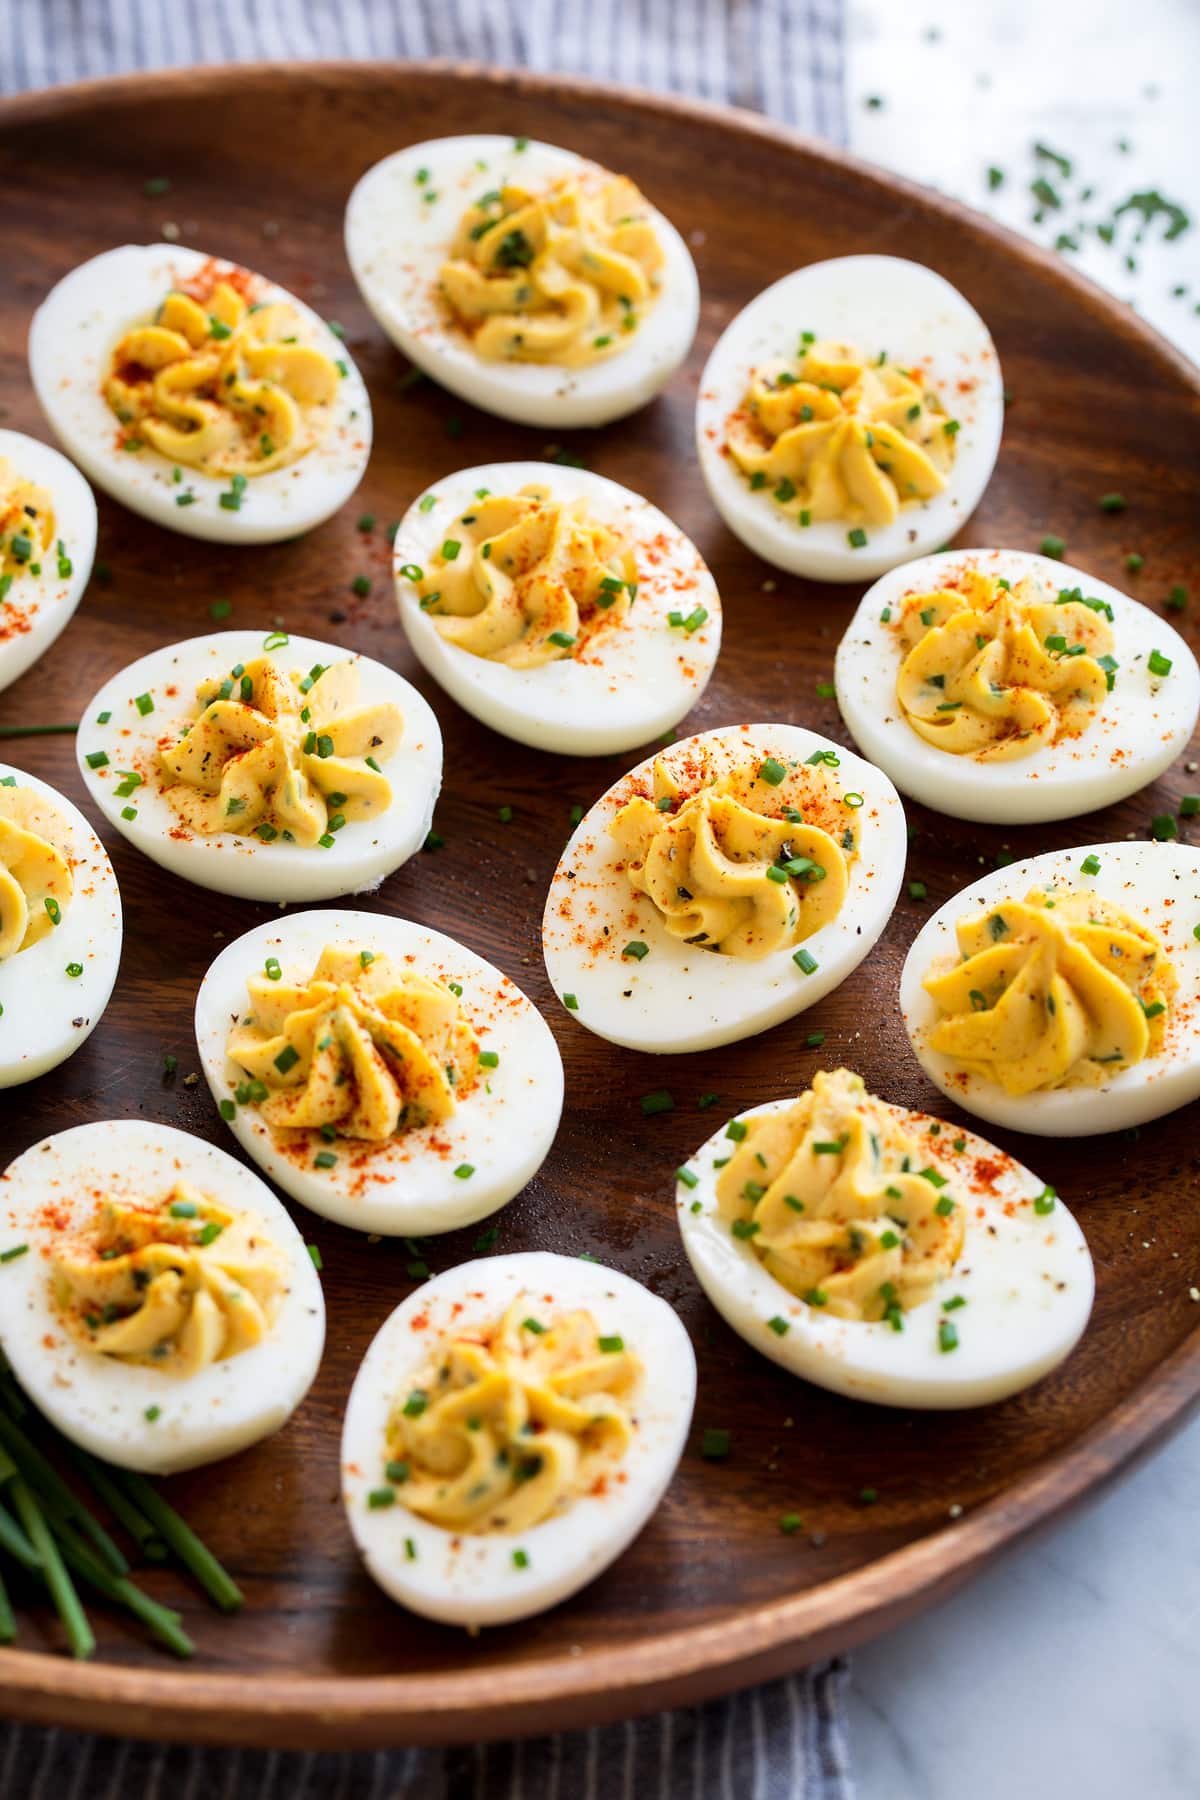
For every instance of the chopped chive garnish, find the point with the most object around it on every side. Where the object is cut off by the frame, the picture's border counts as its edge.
(658, 1102)
(714, 1443)
(636, 949)
(464, 1171)
(805, 961)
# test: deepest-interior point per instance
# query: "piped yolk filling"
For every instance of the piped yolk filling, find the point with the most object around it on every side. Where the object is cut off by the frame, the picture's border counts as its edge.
(360, 1050)
(831, 435)
(26, 526)
(508, 1428)
(1057, 990)
(222, 386)
(996, 672)
(291, 757)
(563, 276)
(740, 865)
(834, 1200)
(173, 1286)
(36, 884)
(526, 580)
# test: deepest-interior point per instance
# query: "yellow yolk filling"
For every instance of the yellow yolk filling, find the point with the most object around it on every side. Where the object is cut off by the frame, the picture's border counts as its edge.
(506, 1429)
(838, 1202)
(35, 877)
(26, 525)
(287, 756)
(736, 867)
(223, 387)
(525, 579)
(362, 1049)
(558, 277)
(833, 436)
(996, 672)
(175, 1286)
(1056, 990)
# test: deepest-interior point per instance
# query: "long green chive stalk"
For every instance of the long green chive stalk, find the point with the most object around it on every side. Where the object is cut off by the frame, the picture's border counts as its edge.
(50, 1485)
(80, 1635)
(54, 1535)
(20, 731)
(217, 1583)
(119, 1504)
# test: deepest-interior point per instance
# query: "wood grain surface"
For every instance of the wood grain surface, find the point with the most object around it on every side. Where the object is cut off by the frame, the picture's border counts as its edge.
(713, 1594)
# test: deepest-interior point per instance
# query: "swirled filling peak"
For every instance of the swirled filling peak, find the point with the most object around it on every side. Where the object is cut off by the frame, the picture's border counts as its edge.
(283, 756)
(997, 671)
(746, 863)
(26, 526)
(506, 1427)
(35, 876)
(562, 276)
(837, 1200)
(221, 384)
(833, 434)
(175, 1284)
(525, 579)
(1060, 989)
(359, 1049)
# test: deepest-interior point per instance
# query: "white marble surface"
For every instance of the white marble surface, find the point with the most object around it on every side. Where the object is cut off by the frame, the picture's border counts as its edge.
(1072, 1667)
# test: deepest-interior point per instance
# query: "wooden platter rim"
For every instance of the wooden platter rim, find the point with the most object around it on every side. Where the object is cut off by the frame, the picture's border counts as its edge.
(733, 1647)
(683, 1667)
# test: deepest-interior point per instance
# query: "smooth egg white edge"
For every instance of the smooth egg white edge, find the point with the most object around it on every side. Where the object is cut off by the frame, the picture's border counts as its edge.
(99, 1402)
(869, 1360)
(396, 242)
(46, 603)
(643, 678)
(72, 336)
(505, 1135)
(1141, 1092)
(711, 999)
(870, 301)
(365, 851)
(466, 1579)
(1144, 724)
(31, 1037)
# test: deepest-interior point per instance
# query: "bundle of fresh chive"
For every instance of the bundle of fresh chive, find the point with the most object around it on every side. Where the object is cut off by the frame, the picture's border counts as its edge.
(50, 1539)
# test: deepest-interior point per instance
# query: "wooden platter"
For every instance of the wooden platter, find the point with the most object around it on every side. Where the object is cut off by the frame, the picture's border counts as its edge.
(713, 1595)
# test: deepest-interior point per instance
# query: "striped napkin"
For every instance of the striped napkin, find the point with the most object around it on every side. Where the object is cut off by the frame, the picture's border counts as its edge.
(786, 1741)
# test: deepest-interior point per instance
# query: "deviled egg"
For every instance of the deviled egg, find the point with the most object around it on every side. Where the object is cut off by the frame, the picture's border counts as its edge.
(1000, 684)
(723, 885)
(60, 927)
(1061, 995)
(156, 1302)
(200, 394)
(561, 609)
(881, 1254)
(47, 542)
(273, 768)
(381, 1074)
(512, 1428)
(849, 417)
(533, 283)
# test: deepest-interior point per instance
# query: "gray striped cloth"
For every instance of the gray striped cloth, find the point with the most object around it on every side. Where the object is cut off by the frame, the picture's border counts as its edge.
(786, 1741)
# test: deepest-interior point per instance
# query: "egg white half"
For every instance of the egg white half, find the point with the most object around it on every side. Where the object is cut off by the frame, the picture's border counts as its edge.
(100, 1402)
(502, 1129)
(398, 234)
(877, 303)
(38, 607)
(45, 1014)
(472, 1580)
(681, 996)
(1158, 884)
(71, 339)
(1144, 723)
(364, 850)
(1027, 1280)
(634, 681)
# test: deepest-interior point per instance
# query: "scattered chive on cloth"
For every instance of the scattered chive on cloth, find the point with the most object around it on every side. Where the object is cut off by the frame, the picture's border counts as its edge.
(786, 1741)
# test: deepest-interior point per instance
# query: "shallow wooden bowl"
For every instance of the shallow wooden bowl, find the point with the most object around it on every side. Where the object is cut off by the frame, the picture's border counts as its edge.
(713, 1594)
